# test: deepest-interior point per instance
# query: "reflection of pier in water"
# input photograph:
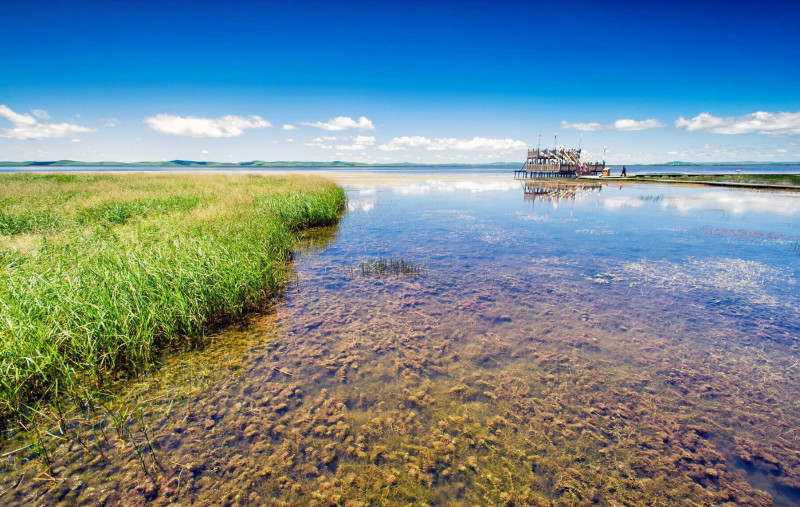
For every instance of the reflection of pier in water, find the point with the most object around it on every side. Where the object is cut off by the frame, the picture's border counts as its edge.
(555, 191)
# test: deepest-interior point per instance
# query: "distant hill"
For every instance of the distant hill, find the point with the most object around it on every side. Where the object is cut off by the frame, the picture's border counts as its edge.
(253, 163)
(334, 164)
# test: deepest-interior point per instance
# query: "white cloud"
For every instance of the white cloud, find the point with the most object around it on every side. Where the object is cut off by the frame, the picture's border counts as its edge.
(776, 124)
(627, 124)
(16, 118)
(401, 143)
(586, 127)
(287, 126)
(364, 140)
(193, 126)
(342, 123)
(476, 143)
(289, 140)
(204, 152)
(325, 138)
(320, 145)
(782, 150)
(353, 147)
(27, 127)
(109, 122)
(452, 143)
(40, 113)
(75, 140)
(622, 124)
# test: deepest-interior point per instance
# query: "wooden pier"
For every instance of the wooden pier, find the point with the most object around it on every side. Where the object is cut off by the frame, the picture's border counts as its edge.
(563, 163)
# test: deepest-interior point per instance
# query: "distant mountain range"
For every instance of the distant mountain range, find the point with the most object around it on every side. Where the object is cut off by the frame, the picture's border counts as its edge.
(254, 163)
(334, 164)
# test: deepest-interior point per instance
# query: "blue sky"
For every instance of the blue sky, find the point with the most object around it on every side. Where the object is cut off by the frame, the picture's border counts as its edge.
(391, 81)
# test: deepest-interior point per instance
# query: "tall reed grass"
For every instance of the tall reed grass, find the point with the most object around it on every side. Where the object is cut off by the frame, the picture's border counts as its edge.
(97, 273)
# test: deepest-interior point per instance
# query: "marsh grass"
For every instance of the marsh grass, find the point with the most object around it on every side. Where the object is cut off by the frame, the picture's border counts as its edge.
(100, 272)
(787, 179)
(745, 178)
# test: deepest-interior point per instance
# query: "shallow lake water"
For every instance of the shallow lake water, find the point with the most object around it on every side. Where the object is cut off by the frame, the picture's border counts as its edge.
(553, 345)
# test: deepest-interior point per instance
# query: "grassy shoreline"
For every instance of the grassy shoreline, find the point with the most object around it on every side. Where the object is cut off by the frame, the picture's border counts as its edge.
(741, 178)
(100, 272)
(763, 181)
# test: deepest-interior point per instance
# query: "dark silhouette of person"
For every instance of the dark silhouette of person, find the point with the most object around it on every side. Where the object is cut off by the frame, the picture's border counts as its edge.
(623, 172)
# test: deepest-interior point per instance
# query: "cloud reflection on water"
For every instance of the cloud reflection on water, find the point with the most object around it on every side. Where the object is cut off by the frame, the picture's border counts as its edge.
(490, 185)
(735, 202)
(363, 205)
(617, 202)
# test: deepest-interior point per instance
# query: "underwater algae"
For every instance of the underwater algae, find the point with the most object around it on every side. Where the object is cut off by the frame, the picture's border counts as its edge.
(418, 400)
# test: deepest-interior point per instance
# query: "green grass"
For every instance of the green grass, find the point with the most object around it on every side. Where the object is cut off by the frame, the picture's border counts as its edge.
(775, 179)
(767, 179)
(100, 272)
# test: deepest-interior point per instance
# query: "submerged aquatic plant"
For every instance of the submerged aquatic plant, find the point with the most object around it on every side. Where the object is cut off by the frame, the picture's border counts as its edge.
(388, 267)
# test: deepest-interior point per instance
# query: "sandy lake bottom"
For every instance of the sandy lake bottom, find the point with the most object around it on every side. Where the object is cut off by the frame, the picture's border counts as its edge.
(605, 345)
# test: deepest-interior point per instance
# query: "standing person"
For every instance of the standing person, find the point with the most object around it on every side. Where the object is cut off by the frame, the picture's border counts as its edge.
(623, 172)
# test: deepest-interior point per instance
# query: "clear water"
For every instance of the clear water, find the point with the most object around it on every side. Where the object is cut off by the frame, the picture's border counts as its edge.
(628, 345)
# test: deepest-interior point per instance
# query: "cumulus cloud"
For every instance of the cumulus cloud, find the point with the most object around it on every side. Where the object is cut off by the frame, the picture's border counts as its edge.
(193, 126)
(761, 122)
(287, 126)
(40, 113)
(586, 127)
(342, 123)
(476, 143)
(627, 124)
(364, 140)
(350, 147)
(28, 127)
(404, 142)
(320, 145)
(325, 138)
(622, 124)
(452, 143)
